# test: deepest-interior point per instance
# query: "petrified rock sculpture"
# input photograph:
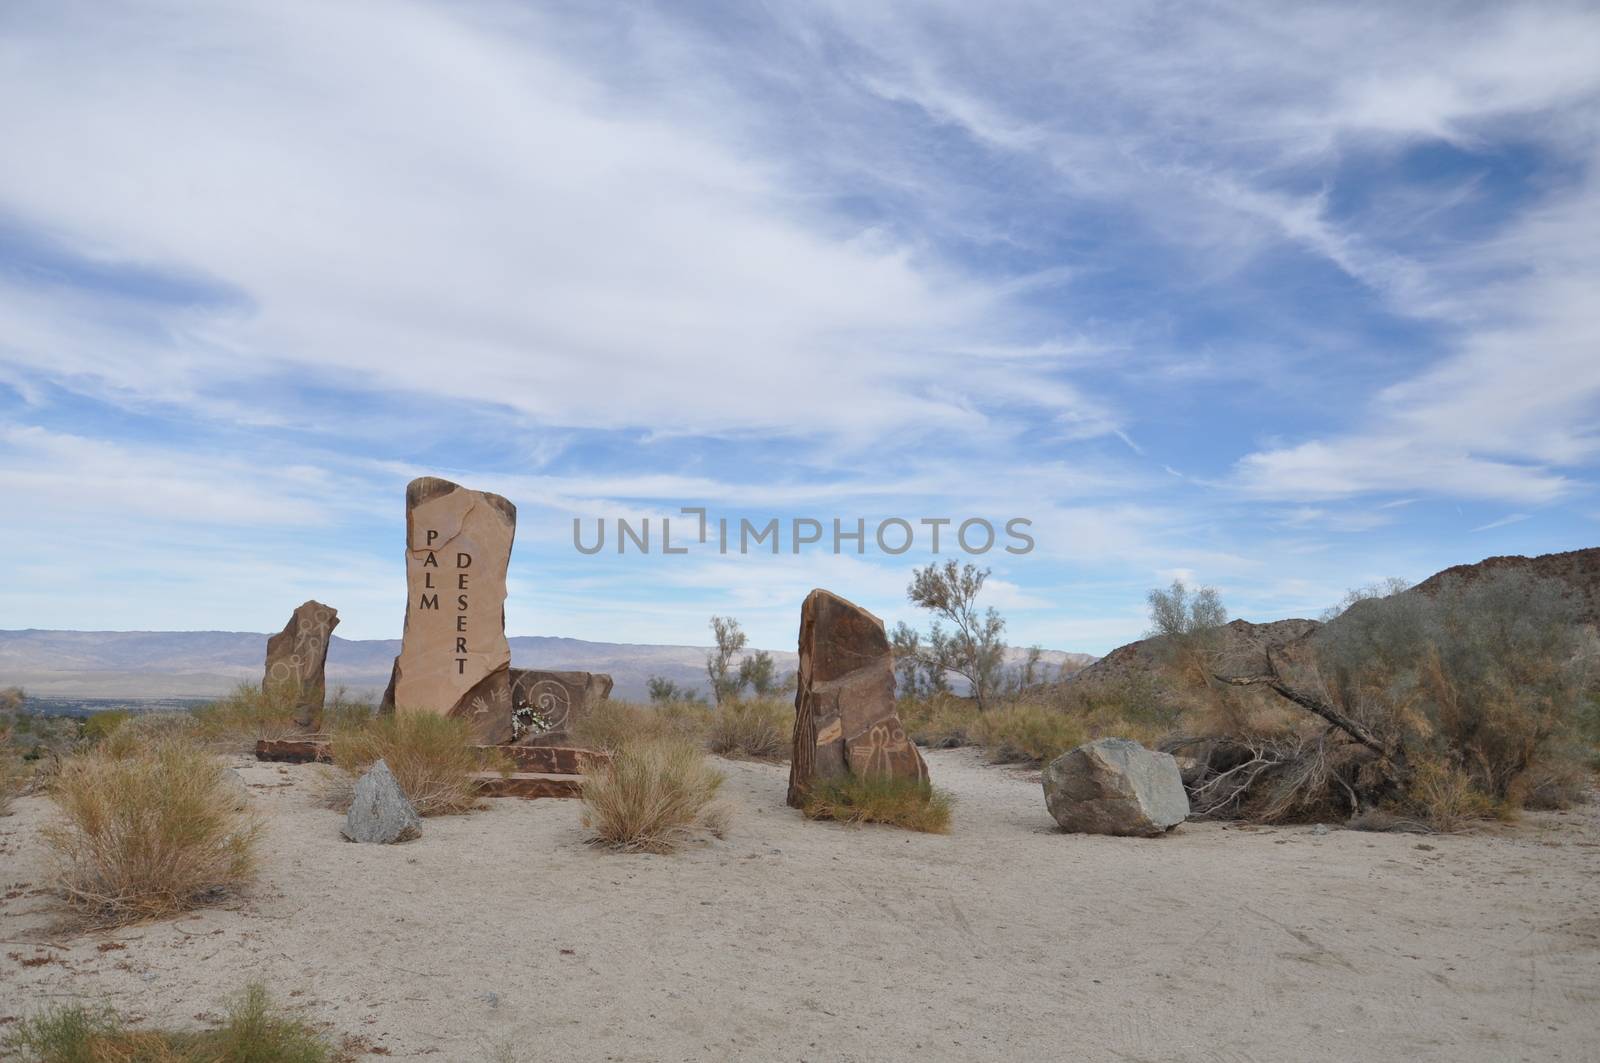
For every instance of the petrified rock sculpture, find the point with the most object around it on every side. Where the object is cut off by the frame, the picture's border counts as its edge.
(845, 720)
(296, 658)
(454, 658)
(1115, 786)
(546, 706)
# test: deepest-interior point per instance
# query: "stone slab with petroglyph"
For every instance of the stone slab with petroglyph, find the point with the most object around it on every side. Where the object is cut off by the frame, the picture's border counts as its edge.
(546, 706)
(296, 659)
(454, 658)
(845, 719)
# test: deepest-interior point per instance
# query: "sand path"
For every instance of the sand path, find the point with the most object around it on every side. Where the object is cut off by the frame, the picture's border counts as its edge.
(802, 941)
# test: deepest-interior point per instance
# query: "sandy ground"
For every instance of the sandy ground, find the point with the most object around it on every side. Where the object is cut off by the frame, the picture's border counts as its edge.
(806, 941)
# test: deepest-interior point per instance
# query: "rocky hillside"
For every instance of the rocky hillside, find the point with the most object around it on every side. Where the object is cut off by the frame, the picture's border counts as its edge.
(1577, 570)
(1242, 638)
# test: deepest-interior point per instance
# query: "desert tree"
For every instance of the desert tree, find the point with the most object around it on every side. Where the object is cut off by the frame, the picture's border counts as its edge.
(1189, 623)
(731, 640)
(972, 646)
(759, 675)
(664, 691)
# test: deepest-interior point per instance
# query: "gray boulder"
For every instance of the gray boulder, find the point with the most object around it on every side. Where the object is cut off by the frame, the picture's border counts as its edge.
(380, 811)
(1114, 786)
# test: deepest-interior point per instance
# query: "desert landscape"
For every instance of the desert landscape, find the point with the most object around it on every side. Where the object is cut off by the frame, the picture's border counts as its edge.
(810, 532)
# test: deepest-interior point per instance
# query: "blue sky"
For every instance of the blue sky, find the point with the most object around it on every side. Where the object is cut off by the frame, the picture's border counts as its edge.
(1282, 299)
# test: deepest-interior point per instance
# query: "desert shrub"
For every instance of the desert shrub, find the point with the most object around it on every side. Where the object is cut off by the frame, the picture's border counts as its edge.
(1555, 783)
(254, 1031)
(941, 720)
(1488, 677)
(652, 796)
(150, 828)
(100, 725)
(1431, 708)
(762, 728)
(248, 714)
(612, 724)
(1028, 733)
(907, 803)
(13, 773)
(433, 758)
(343, 711)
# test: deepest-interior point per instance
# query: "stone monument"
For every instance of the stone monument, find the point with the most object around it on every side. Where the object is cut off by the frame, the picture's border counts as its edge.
(454, 659)
(845, 719)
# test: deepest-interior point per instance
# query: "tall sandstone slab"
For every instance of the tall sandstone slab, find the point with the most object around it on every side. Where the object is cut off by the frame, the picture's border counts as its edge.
(454, 659)
(297, 659)
(845, 719)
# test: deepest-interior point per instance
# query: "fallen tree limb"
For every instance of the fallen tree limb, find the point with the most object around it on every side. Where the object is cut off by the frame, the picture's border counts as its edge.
(1271, 679)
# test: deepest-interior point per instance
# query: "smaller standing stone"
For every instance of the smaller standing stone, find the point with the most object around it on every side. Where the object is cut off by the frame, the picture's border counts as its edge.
(1115, 786)
(380, 811)
(296, 659)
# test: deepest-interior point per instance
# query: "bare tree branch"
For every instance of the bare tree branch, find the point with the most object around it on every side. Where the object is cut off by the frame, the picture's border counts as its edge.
(1354, 728)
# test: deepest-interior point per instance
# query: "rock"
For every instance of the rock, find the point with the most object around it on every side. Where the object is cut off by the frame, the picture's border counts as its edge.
(546, 706)
(296, 657)
(1114, 786)
(845, 720)
(379, 811)
(454, 659)
(234, 782)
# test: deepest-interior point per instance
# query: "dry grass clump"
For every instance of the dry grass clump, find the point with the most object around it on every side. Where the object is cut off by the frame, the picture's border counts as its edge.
(156, 726)
(610, 725)
(653, 795)
(1444, 797)
(151, 828)
(13, 773)
(255, 1031)
(761, 728)
(248, 714)
(905, 803)
(433, 759)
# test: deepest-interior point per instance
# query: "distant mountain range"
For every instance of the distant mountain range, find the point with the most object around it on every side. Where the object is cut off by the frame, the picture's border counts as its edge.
(169, 664)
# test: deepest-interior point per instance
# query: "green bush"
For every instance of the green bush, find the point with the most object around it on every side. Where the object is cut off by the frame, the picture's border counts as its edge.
(255, 1031)
(907, 803)
(99, 726)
